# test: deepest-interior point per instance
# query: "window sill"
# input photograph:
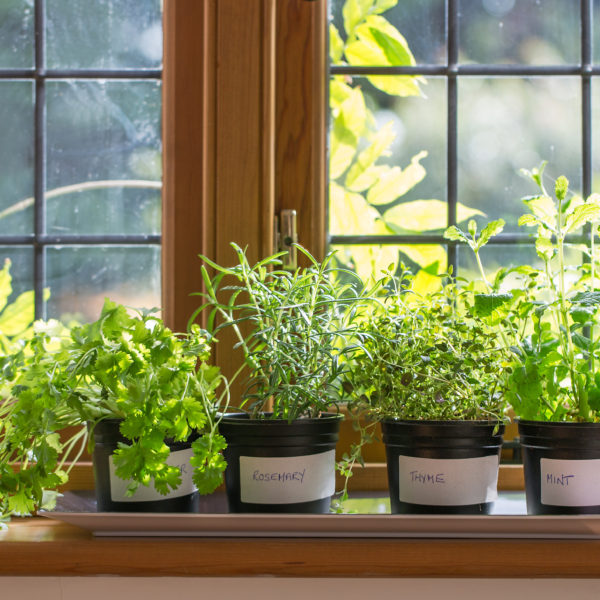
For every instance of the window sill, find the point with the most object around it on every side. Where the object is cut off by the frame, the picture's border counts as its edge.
(42, 547)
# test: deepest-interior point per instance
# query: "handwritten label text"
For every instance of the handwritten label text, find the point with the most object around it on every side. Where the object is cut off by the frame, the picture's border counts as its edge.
(562, 479)
(433, 478)
(281, 477)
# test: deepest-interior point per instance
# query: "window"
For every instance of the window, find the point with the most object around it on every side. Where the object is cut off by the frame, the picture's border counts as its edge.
(470, 91)
(80, 158)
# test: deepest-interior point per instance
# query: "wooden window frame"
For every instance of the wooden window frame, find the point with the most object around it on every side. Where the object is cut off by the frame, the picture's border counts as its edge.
(243, 132)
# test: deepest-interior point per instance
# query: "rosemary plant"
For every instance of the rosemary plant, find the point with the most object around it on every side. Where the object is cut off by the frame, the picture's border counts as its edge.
(294, 328)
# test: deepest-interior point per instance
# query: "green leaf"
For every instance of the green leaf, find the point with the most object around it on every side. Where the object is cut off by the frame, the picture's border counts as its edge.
(455, 234)
(369, 177)
(487, 304)
(396, 182)
(348, 126)
(395, 48)
(378, 146)
(397, 85)
(587, 299)
(536, 173)
(336, 44)
(379, 43)
(18, 315)
(208, 462)
(351, 214)
(490, 230)
(383, 5)
(544, 248)
(339, 92)
(5, 284)
(20, 504)
(371, 261)
(586, 213)
(424, 215)
(354, 12)
(528, 220)
(561, 187)
(544, 208)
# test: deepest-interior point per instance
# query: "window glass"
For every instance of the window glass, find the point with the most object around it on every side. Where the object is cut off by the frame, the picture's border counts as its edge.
(16, 34)
(104, 161)
(16, 157)
(519, 31)
(505, 124)
(80, 277)
(112, 34)
(595, 136)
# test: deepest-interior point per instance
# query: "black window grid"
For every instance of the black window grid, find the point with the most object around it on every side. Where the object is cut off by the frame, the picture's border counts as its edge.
(452, 71)
(39, 240)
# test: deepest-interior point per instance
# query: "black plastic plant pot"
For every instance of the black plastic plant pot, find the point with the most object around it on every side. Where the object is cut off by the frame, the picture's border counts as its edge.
(442, 467)
(280, 467)
(562, 467)
(110, 489)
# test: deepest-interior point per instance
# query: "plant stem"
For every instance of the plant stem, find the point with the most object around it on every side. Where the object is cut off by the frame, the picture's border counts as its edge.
(583, 408)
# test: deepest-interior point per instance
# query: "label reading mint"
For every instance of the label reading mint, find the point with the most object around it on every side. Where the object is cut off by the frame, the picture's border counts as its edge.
(287, 479)
(179, 458)
(448, 482)
(570, 482)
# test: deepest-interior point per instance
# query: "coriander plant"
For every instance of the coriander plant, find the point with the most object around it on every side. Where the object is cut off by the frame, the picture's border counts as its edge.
(123, 366)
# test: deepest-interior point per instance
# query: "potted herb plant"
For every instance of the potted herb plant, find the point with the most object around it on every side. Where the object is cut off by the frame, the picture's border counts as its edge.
(429, 370)
(293, 329)
(550, 317)
(146, 396)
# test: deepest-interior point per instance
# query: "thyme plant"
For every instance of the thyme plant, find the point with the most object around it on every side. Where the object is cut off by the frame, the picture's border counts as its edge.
(429, 358)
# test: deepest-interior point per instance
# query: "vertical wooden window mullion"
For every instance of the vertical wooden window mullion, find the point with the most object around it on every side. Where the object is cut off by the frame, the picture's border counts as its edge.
(218, 115)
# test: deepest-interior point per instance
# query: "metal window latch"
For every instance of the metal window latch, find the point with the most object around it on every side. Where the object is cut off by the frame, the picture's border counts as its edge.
(285, 236)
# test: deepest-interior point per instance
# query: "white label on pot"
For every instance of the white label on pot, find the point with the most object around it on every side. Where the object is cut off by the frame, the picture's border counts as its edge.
(448, 482)
(570, 482)
(179, 458)
(287, 479)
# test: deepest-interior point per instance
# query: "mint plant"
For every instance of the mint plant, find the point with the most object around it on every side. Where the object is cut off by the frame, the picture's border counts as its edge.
(123, 366)
(549, 318)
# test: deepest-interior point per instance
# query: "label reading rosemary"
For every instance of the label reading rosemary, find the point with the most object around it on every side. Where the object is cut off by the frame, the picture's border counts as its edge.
(179, 458)
(570, 482)
(287, 479)
(448, 482)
